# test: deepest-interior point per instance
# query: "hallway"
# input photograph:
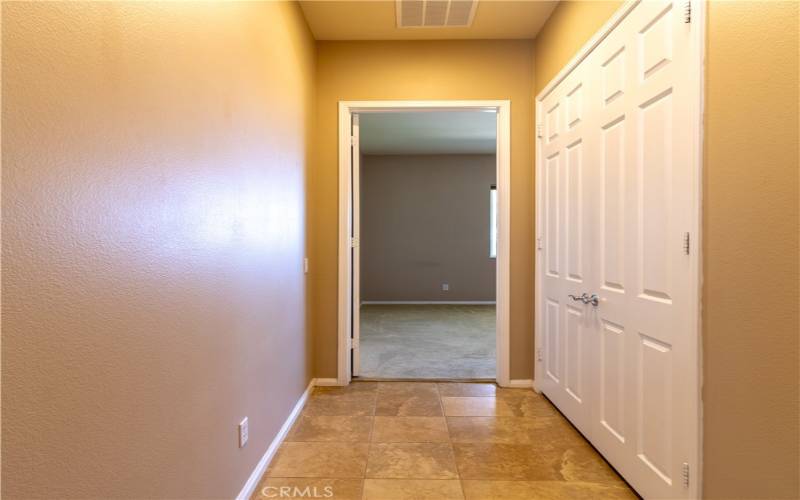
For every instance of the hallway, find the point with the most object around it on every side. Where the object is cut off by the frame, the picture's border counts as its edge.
(596, 199)
(404, 440)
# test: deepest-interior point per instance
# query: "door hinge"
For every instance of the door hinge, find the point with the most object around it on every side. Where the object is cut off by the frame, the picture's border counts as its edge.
(539, 354)
(539, 131)
(687, 12)
(352, 140)
(539, 243)
(352, 343)
(686, 244)
(685, 474)
(354, 242)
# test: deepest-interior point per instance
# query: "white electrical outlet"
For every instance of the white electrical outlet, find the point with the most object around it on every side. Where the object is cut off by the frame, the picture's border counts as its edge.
(305, 265)
(243, 433)
(445, 287)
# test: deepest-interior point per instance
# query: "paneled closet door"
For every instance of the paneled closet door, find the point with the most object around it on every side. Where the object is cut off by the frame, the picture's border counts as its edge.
(566, 244)
(617, 208)
(639, 421)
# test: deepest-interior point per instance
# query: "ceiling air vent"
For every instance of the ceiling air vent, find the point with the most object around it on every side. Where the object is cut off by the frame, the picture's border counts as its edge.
(435, 13)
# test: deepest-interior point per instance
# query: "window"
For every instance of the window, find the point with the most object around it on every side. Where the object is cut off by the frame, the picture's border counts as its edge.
(493, 222)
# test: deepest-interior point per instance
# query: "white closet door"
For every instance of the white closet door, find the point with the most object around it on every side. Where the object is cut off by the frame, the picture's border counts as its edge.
(565, 217)
(640, 423)
(639, 351)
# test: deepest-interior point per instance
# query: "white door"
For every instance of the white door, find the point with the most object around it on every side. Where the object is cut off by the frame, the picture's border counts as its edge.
(355, 151)
(565, 191)
(623, 118)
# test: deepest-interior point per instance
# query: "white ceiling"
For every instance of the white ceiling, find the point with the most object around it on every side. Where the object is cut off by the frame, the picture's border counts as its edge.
(428, 132)
(377, 20)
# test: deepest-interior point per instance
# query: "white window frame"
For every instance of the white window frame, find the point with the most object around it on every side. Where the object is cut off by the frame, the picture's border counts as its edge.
(493, 222)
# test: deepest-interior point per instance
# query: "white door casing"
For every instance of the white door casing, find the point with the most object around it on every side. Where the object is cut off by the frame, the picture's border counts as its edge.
(348, 265)
(618, 181)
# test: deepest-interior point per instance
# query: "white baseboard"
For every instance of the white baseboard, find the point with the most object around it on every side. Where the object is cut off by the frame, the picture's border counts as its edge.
(521, 383)
(325, 382)
(261, 466)
(435, 302)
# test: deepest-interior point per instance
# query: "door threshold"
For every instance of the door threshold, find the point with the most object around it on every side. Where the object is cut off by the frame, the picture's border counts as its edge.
(414, 379)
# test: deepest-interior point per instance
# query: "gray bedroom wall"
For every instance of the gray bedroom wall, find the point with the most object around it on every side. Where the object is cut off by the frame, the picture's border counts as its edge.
(425, 222)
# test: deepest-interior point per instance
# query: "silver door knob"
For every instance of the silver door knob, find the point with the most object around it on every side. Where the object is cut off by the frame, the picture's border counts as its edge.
(586, 298)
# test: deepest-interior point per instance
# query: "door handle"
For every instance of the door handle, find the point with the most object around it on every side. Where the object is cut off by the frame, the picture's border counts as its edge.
(586, 298)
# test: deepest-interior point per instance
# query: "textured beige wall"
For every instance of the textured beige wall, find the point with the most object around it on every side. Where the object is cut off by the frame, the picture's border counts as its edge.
(422, 70)
(424, 222)
(751, 323)
(570, 26)
(751, 314)
(152, 243)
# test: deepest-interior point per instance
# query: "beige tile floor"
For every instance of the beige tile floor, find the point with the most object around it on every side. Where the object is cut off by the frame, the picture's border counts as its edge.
(437, 441)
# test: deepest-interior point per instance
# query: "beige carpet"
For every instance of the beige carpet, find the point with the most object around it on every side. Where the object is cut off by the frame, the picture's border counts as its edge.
(428, 341)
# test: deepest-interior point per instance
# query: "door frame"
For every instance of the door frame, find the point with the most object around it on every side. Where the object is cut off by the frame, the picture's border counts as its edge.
(503, 182)
(696, 9)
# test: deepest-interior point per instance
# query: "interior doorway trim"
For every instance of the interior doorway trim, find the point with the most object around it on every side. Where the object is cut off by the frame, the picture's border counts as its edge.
(503, 158)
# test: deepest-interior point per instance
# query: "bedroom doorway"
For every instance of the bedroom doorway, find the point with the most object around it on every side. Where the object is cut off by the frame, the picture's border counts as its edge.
(423, 241)
(427, 245)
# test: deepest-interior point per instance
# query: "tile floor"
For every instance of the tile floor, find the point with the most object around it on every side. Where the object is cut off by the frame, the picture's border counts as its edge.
(419, 440)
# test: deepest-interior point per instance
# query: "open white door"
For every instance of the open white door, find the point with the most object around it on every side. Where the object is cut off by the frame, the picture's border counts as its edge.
(355, 153)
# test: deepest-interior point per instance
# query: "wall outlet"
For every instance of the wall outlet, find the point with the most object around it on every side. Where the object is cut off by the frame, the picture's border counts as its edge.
(305, 265)
(243, 431)
(445, 287)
